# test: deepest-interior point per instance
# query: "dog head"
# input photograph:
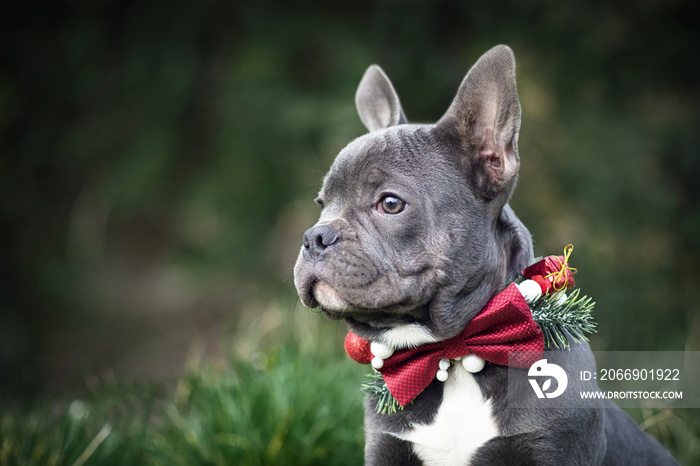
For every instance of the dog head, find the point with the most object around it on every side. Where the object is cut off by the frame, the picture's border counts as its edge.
(415, 233)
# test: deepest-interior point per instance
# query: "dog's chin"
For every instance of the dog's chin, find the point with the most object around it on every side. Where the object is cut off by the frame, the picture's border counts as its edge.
(315, 292)
(335, 307)
(352, 305)
(329, 300)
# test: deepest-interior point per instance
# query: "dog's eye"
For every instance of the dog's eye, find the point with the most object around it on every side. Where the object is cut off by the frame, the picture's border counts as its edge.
(391, 205)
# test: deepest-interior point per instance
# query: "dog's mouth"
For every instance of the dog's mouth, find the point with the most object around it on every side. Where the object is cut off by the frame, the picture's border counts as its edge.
(335, 307)
(318, 293)
(328, 300)
(366, 305)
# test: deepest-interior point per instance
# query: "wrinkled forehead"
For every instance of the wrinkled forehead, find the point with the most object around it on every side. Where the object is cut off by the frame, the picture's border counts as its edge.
(403, 154)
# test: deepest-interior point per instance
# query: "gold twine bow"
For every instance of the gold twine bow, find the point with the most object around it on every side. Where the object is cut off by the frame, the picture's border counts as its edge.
(561, 273)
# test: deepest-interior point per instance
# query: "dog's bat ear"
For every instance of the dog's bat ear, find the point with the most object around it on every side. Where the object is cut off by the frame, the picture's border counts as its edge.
(377, 102)
(484, 120)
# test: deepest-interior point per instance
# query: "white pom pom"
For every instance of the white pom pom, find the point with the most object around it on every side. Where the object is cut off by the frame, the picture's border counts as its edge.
(530, 290)
(377, 363)
(561, 298)
(444, 364)
(473, 363)
(381, 350)
(441, 375)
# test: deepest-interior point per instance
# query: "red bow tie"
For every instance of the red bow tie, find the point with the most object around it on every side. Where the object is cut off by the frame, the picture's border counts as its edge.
(505, 324)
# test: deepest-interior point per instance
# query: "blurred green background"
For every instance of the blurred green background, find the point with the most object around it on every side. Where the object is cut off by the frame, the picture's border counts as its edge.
(158, 161)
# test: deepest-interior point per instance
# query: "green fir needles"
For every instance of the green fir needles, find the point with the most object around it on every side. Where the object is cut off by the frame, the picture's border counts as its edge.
(375, 387)
(562, 320)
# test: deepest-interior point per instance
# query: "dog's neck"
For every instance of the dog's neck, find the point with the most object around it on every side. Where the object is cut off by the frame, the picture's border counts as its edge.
(517, 242)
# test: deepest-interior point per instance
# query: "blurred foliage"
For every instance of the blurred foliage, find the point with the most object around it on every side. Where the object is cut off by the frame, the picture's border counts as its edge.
(157, 159)
(219, 414)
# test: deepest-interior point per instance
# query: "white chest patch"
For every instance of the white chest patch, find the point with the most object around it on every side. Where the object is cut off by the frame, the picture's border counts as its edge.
(464, 422)
(407, 336)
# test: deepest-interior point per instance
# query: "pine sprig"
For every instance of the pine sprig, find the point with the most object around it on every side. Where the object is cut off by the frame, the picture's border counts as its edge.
(375, 387)
(560, 321)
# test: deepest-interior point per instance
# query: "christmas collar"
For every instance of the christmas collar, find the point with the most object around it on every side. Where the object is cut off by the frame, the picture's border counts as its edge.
(506, 324)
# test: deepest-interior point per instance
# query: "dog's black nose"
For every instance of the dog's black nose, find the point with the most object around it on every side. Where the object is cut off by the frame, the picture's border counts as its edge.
(317, 239)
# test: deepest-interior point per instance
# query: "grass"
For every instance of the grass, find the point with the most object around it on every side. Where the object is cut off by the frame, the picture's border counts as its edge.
(295, 402)
(677, 429)
(288, 404)
(242, 414)
(294, 409)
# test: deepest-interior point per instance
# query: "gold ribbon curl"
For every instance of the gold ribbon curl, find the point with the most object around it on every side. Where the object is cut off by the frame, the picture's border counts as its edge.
(561, 273)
